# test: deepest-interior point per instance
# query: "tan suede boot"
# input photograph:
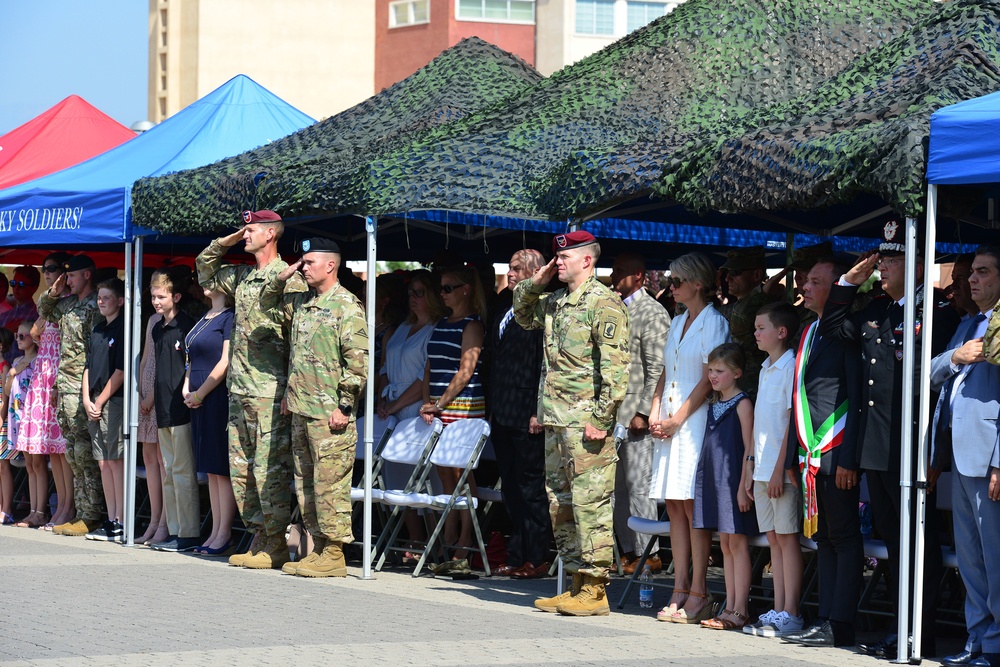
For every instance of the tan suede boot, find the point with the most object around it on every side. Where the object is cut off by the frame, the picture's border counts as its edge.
(552, 604)
(291, 567)
(237, 560)
(77, 528)
(272, 554)
(331, 563)
(591, 600)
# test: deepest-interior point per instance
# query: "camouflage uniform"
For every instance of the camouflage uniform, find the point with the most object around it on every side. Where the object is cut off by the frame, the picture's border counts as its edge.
(991, 339)
(327, 370)
(76, 320)
(741, 318)
(584, 379)
(260, 458)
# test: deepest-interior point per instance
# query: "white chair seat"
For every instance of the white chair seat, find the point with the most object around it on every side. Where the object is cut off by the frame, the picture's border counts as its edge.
(461, 503)
(407, 499)
(358, 495)
(648, 526)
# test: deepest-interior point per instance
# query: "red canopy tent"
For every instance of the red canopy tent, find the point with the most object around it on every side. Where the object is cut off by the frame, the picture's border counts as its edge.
(65, 135)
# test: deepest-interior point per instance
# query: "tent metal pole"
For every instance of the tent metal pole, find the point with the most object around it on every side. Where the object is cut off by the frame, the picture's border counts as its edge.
(789, 255)
(131, 397)
(371, 225)
(923, 421)
(906, 457)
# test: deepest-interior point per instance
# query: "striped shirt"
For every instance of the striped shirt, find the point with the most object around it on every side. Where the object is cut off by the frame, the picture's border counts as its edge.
(444, 353)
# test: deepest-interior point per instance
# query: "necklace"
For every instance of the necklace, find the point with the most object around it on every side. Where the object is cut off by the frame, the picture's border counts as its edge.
(195, 331)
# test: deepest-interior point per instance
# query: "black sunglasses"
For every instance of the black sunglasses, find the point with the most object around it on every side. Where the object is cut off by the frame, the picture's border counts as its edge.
(419, 293)
(51, 268)
(676, 282)
(448, 289)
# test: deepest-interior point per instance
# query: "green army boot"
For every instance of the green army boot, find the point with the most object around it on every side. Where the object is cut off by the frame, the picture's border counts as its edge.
(591, 600)
(330, 563)
(237, 560)
(291, 567)
(271, 555)
(552, 604)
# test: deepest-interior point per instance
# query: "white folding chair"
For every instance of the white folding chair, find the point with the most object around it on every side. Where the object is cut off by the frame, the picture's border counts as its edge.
(411, 443)
(459, 446)
(381, 432)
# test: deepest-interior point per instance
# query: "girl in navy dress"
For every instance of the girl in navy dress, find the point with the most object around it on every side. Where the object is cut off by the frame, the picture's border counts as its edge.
(722, 502)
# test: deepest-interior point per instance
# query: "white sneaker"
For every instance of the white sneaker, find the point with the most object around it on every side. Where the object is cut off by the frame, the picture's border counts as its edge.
(764, 619)
(783, 624)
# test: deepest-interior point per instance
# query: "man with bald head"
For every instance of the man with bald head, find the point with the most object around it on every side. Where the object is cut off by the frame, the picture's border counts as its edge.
(514, 363)
(649, 324)
(326, 373)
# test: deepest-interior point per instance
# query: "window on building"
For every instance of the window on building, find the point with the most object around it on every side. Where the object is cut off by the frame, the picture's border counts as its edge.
(514, 11)
(641, 13)
(595, 17)
(409, 12)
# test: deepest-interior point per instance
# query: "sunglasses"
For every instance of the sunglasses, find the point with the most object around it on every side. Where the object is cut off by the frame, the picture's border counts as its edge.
(21, 283)
(448, 289)
(676, 282)
(419, 293)
(22, 336)
(52, 268)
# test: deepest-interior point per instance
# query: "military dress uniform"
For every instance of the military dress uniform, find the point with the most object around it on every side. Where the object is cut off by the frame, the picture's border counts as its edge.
(76, 319)
(584, 379)
(327, 370)
(260, 458)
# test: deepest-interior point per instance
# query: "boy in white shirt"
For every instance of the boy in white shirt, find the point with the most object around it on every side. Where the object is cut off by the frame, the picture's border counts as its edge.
(777, 499)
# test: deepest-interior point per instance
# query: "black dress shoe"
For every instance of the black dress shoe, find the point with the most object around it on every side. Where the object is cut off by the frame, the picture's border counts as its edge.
(820, 634)
(985, 660)
(964, 658)
(883, 648)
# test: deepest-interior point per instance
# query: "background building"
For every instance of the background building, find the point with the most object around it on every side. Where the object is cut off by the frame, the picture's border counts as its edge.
(317, 55)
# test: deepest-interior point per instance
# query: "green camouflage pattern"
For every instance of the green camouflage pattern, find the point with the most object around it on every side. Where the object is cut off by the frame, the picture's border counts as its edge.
(311, 171)
(324, 464)
(76, 320)
(258, 346)
(260, 463)
(580, 482)
(88, 490)
(991, 339)
(329, 347)
(585, 367)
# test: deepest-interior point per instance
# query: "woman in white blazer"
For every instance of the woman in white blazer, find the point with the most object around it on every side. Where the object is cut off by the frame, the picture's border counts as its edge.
(677, 420)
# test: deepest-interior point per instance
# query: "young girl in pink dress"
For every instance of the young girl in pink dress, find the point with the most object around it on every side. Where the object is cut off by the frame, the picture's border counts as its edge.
(16, 390)
(7, 450)
(40, 432)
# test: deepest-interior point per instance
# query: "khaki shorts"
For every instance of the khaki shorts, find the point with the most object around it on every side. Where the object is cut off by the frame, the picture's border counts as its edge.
(782, 515)
(106, 435)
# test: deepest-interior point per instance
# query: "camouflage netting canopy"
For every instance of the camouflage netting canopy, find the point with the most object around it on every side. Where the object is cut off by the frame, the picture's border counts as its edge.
(864, 131)
(302, 174)
(601, 131)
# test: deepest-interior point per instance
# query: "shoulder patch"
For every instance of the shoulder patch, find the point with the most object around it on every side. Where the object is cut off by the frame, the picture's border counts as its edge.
(609, 327)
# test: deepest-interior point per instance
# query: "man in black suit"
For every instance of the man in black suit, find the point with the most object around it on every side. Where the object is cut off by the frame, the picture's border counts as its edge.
(515, 363)
(826, 394)
(878, 329)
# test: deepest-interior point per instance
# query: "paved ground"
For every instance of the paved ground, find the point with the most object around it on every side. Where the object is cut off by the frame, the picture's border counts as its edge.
(67, 601)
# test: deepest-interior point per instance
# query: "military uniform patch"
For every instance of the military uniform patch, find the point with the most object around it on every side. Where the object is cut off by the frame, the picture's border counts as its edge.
(610, 328)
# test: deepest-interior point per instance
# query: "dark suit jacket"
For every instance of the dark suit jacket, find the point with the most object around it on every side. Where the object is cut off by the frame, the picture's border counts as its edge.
(877, 328)
(831, 376)
(515, 364)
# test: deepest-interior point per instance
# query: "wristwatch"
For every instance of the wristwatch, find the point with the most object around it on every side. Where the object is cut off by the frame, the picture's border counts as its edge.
(346, 410)
(750, 458)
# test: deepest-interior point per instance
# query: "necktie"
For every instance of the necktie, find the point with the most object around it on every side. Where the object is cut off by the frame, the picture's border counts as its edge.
(505, 321)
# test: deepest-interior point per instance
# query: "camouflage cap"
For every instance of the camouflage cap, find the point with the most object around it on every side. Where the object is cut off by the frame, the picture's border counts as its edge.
(745, 259)
(805, 258)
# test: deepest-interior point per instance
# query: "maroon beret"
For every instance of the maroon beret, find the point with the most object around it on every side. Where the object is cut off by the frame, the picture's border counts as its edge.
(260, 216)
(572, 240)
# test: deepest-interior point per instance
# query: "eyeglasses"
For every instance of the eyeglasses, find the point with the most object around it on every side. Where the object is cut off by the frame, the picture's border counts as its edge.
(419, 293)
(52, 268)
(448, 289)
(676, 282)
(889, 261)
(22, 336)
(21, 283)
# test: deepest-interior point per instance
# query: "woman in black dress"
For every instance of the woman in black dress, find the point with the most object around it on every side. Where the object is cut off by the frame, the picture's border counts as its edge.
(205, 393)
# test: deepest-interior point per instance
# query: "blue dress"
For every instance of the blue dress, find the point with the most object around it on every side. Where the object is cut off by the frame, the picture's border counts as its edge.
(210, 422)
(720, 468)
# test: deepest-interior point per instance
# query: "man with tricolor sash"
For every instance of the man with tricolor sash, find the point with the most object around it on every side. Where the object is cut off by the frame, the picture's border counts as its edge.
(825, 426)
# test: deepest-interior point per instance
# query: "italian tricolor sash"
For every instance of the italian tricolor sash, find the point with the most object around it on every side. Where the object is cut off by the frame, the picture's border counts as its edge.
(812, 443)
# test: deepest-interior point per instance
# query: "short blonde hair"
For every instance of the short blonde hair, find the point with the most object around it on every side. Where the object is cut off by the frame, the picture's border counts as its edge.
(695, 267)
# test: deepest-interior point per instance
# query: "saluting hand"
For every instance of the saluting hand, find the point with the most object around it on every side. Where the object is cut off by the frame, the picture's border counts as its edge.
(58, 285)
(864, 269)
(287, 274)
(544, 275)
(232, 239)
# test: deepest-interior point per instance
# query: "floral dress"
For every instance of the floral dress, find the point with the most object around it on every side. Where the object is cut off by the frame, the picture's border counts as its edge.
(15, 407)
(40, 432)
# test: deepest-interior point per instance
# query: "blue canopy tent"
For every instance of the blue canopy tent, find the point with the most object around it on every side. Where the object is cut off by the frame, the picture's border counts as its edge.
(90, 204)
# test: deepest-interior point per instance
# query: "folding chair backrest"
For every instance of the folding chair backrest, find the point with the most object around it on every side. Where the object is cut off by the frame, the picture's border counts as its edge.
(410, 439)
(382, 429)
(461, 444)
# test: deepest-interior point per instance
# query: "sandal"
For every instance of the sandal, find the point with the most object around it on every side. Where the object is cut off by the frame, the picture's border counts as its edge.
(682, 615)
(6, 519)
(735, 621)
(667, 612)
(27, 523)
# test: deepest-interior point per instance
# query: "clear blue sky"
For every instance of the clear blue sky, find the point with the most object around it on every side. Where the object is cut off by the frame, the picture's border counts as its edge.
(97, 49)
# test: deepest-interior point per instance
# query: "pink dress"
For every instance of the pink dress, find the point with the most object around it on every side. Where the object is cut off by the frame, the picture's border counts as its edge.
(15, 410)
(146, 431)
(40, 432)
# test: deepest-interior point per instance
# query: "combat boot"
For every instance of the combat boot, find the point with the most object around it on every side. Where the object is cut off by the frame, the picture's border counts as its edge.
(237, 560)
(271, 555)
(552, 604)
(330, 563)
(77, 528)
(591, 601)
(292, 566)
